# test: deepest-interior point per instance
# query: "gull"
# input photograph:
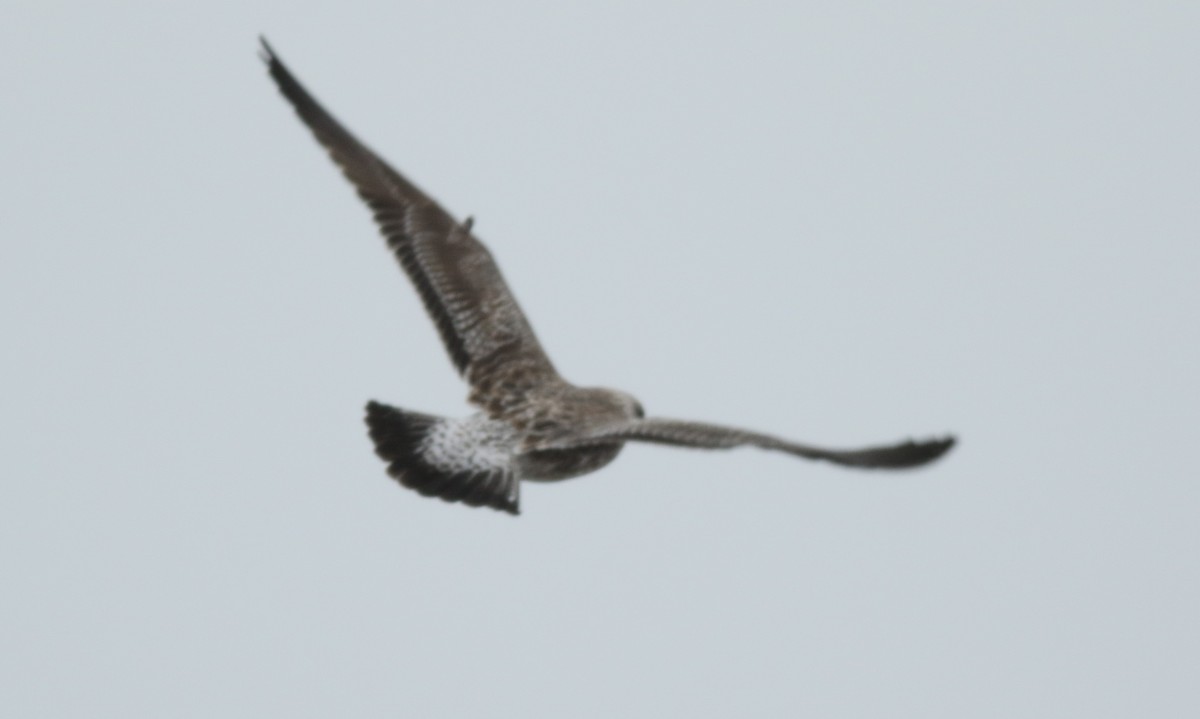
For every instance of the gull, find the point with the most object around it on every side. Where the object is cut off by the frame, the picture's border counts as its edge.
(532, 425)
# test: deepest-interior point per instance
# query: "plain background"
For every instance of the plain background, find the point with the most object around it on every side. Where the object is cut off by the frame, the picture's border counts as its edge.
(843, 222)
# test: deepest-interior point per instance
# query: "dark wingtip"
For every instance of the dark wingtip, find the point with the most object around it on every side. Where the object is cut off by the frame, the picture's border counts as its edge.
(266, 52)
(942, 443)
(906, 455)
(925, 452)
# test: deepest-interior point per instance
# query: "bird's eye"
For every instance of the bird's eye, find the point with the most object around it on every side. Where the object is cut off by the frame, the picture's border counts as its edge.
(638, 411)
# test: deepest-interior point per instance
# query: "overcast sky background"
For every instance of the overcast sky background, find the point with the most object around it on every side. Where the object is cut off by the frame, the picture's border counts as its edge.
(843, 222)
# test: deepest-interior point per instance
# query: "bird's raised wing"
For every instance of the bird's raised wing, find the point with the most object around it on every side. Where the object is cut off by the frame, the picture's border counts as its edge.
(486, 334)
(710, 436)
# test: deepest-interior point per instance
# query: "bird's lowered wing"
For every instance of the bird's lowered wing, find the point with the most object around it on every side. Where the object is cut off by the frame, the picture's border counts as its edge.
(710, 436)
(487, 336)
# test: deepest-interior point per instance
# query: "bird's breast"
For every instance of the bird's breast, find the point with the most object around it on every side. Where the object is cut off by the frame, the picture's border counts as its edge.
(550, 465)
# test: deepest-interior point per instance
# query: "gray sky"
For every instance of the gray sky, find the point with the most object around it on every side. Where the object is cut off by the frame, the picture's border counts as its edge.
(842, 222)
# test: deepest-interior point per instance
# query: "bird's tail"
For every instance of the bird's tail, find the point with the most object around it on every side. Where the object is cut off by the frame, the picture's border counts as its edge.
(398, 434)
(409, 443)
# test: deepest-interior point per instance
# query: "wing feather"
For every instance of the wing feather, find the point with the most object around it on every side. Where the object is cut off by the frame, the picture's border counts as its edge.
(711, 436)
(486, 334)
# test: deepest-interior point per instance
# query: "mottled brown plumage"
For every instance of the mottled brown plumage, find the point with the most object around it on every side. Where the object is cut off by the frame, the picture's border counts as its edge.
(534, 425)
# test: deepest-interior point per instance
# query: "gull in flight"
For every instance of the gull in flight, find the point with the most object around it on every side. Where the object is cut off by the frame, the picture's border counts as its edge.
(532, 425)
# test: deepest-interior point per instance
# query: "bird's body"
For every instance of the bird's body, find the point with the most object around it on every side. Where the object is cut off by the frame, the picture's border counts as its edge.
(533, 425)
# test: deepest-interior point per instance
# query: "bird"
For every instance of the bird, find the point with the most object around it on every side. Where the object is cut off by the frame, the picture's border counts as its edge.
(531, 424)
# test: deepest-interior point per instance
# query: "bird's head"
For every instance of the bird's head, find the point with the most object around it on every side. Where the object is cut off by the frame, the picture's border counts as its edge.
(617, 402)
